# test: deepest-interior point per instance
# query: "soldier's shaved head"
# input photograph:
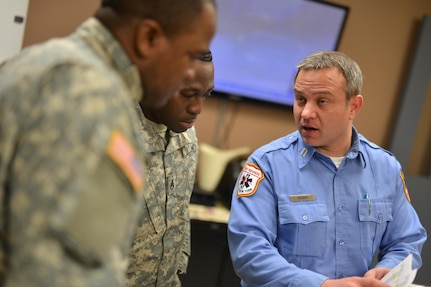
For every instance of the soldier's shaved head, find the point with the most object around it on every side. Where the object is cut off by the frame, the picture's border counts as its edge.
(172, 15)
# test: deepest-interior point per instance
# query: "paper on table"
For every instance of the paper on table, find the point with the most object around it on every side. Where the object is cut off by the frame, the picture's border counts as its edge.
(401, 275)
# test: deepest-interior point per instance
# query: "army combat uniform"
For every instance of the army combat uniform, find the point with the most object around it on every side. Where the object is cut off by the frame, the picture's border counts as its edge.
(70, 176)
(162, 245)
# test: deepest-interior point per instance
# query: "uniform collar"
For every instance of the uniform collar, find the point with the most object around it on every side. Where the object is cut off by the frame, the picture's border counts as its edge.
(354, 150)
(306, 152)
(153, 139)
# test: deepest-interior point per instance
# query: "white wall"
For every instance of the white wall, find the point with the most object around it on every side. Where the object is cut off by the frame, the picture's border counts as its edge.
(11, 32)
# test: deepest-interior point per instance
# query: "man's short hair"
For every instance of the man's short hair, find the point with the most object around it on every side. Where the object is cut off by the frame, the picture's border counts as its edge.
(334, 59)
(174, 16)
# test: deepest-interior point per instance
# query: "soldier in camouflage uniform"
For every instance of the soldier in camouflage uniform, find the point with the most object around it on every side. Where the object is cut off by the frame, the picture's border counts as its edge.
(71, 171)
(161, 247)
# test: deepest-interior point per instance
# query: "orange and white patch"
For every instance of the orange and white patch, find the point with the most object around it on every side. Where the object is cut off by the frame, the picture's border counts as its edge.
(249, 179)
(406, 191)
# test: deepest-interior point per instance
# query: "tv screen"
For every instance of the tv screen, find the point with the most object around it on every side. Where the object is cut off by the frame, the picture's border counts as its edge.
(259, 43)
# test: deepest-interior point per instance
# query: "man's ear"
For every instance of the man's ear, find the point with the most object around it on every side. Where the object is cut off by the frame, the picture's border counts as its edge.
(356, 105)
(148, 36)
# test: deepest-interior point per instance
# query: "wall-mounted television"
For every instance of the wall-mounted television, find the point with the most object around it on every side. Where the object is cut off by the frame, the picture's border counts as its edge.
(259, 43)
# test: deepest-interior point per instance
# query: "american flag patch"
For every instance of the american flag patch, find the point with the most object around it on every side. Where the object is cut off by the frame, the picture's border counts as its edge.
(123, 154)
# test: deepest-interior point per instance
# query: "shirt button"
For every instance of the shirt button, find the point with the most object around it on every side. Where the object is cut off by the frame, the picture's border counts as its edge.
(380, 217)
(340, 207)
(305, 217)
(341, 242)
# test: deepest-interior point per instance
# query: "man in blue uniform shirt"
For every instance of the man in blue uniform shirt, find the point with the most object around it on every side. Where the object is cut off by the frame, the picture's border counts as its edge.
(314, 207)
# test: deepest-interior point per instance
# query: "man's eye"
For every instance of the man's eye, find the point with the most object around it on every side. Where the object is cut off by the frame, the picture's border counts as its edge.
(300, 100)
(323, 101)
(209, 94)
(188, 94)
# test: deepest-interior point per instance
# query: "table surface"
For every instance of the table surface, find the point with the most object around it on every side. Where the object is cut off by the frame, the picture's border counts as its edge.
(218, 213)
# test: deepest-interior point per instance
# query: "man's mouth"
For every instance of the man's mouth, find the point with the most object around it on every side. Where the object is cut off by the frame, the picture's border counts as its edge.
(188, 123)
(308, 128)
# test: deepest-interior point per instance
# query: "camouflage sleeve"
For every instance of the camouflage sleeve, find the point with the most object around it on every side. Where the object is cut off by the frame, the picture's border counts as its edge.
(8, 136)
(74, 198)
(102, 171)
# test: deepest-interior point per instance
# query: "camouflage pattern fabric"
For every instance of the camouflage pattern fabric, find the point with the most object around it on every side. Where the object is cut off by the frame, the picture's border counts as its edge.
(71, 178)
(161, 247)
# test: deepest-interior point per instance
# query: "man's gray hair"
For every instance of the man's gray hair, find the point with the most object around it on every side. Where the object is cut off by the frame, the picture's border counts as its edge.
(330, 59)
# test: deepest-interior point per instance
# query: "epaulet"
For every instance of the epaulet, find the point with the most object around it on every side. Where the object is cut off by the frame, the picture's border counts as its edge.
(290, 139)
(373, 145)
(284, 142)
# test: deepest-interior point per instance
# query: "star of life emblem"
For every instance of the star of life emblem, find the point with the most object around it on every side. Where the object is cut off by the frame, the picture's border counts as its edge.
(249, 179)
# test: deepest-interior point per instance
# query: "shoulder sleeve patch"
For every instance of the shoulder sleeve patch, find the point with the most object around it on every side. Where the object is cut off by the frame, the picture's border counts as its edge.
(406, 191)
(122, 153)
(249, 179)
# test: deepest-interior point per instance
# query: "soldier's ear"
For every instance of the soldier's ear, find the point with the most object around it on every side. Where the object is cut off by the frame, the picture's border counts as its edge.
(149, 38)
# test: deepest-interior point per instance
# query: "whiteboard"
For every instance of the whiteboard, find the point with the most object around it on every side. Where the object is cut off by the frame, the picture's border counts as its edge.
(13, 14)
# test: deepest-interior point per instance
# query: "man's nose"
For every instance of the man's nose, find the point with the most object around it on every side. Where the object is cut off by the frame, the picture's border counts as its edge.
(196, 104)
(190, 74)
(309, 111)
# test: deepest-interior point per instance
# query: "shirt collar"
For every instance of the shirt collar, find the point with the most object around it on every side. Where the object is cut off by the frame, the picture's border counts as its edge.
(148, 129)
(307, 152)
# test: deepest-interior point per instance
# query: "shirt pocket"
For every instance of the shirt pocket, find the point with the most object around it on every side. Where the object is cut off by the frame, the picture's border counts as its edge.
(189, 149)
(302, 225)
(179, 190)
(373, 218)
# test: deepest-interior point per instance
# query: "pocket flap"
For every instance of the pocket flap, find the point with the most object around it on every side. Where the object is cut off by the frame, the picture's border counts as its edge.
(189, 148)
(378, 210)
(302, 213)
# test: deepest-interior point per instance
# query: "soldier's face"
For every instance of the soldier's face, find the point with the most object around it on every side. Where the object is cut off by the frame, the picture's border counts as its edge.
(172, 57)
(183, 108)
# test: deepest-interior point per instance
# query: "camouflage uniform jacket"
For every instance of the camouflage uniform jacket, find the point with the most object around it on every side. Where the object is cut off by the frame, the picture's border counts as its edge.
(70, 175)
(162, 244)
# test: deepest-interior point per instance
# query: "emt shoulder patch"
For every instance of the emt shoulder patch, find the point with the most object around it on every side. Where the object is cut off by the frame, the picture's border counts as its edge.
(406, 191)
(123, 154)
(249, 179)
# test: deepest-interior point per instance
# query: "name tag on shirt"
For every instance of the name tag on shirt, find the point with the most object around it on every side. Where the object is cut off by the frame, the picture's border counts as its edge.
(302, 197)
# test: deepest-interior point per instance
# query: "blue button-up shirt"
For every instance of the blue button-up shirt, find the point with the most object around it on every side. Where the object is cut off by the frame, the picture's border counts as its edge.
(304, 220)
